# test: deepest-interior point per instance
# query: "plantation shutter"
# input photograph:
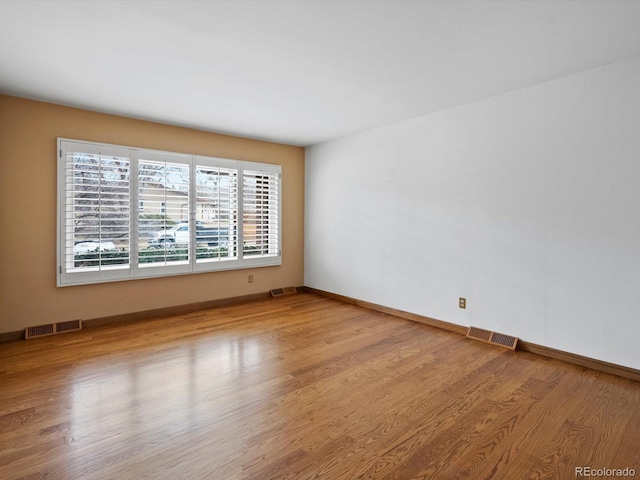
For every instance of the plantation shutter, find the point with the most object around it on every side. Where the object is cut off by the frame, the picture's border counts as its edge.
(164, 237)
(216, 211)
(96, 221)
(261, 214)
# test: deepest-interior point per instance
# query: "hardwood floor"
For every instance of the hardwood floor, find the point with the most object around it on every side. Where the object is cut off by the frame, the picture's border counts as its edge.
(303, 387)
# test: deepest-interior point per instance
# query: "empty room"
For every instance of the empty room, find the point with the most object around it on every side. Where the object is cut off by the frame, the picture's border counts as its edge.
(279, 239)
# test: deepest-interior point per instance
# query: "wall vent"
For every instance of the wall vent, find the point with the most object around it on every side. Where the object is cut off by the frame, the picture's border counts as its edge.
(493, 338)
(52, 329)
(278, 292)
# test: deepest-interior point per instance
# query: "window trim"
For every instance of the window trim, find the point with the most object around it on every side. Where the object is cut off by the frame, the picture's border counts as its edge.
(69, 277)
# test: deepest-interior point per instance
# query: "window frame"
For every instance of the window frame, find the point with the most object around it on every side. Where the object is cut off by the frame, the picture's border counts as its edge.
(69, 275)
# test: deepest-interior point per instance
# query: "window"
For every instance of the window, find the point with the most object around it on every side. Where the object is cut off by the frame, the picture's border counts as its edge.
(128, 213)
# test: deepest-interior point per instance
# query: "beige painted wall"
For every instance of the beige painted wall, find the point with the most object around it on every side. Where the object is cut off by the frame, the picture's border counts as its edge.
(28, 292)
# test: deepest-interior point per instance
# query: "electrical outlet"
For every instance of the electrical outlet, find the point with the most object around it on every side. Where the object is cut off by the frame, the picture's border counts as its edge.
(462, 302)
(250, 278)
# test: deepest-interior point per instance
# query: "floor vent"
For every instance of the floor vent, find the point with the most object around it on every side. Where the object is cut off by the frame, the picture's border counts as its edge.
(278, 292)
(52, 329)
(493, 338)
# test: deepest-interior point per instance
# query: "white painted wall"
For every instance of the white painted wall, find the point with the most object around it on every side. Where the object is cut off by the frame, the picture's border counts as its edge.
(527, 203)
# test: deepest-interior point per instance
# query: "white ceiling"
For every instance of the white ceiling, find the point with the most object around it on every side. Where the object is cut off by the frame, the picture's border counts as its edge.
(299, 72)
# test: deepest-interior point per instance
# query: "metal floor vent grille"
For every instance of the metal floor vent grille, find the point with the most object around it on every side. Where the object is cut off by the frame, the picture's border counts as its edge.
(52, 329)
(278, 292)
(493, 338)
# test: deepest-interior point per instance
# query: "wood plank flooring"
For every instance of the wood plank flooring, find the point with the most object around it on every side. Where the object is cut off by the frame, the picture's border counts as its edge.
(303, 387)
